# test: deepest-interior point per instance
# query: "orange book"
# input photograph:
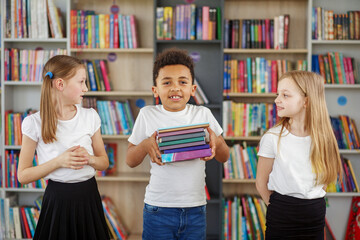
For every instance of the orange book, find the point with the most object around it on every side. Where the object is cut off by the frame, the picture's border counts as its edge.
(356, 133)
(107, 30)
(322, 66)
(347, 131)
(331, 64)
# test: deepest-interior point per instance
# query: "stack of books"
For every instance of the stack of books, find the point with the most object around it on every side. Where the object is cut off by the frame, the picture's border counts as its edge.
(183, 142)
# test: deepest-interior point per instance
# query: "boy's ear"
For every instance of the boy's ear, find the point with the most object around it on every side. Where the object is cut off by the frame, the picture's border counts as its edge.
(155, 91)
(193, 89)
(59, 84)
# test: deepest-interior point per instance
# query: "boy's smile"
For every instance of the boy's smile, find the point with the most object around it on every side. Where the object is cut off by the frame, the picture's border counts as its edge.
(174, 87)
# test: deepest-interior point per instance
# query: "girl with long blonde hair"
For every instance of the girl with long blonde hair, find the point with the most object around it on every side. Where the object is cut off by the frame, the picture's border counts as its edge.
(298, 157)
(70, 149)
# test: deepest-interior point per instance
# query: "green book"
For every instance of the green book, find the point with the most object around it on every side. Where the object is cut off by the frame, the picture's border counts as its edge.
(181, 141)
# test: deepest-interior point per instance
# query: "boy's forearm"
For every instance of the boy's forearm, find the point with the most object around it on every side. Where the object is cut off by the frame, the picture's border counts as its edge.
(135, 155)
(222, 150)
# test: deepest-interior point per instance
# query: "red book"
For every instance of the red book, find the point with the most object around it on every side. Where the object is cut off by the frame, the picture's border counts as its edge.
(105, 75)
(351, 70)
(274, 76)
(26, 224)
(286, 30)
(207, 193)
(267, 33)
(353, 228)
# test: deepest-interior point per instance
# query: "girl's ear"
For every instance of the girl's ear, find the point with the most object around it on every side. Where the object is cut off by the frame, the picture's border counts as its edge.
(59, 84)
(306, 102)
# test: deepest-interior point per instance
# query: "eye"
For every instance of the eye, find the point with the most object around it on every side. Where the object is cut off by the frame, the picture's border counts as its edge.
(165, 83)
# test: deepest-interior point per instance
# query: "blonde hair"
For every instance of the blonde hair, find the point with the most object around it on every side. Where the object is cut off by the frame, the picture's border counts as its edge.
(324, 152)
(61, 66)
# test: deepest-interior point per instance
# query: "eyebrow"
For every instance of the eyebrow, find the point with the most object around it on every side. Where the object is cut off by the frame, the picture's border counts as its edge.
(168, 78)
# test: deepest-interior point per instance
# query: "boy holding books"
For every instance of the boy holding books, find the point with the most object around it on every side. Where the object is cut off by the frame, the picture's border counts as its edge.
(175, 202)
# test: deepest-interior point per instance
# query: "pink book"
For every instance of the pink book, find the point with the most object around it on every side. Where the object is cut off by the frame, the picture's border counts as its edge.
(133, 31)
(166, 134)
(351, 71)
(105, 75)
(189, 155)
(346, 69)
(205, 22)
(274, 76)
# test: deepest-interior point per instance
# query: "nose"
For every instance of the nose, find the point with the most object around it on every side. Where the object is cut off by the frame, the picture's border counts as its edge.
(277, 99)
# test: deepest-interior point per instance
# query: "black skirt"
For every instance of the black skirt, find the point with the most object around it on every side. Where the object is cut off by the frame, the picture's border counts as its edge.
(294, 218)
(72, 211)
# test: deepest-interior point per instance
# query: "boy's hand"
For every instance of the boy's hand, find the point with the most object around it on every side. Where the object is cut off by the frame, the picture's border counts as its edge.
(212, 143)
(152, 149)
(73, 158)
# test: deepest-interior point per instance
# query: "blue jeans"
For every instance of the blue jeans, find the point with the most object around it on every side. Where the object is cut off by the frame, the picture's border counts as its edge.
(161, 223)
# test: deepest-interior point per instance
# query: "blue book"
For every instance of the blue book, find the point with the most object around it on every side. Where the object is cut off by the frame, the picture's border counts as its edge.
(187, 148)
(121, 112)
(111, 44)
(92, 80)
(121, 31)
(248, 65)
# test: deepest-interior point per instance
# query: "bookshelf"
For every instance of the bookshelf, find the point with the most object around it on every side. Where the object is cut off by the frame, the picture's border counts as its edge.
(339, 203)
(130, 72)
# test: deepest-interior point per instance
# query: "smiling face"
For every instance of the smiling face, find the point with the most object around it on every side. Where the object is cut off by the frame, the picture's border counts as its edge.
(174, 87)
(75, 87)
(290, 101)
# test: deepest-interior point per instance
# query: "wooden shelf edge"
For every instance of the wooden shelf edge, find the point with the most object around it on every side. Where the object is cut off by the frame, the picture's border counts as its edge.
(251, 138)
(269, 95)
(112, 50)
(264, 51)
(342, 194)
(252, 181)
(119, 93)
(341, 86)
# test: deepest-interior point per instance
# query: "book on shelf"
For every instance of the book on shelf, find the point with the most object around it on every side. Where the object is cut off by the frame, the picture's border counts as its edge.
(32, 19)
(242, 163)
(348, 183)
(113, 219)
(247, 119)
(27, 65)
(111, 151)
(116, 117)
(91, 30)
(256, 75)
(336, 68)
(346, 132)
(17, 222)
(188, 22)
(331, 25)
(183, 142)
(98, 76)
(244, 217)
(11, 163)
(200, 96)
(257, 33)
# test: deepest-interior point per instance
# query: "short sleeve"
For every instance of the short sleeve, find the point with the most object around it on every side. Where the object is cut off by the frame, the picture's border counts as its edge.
(97, 121)
(267, 146)
(213, 123)
(28, 128)
(139, 130)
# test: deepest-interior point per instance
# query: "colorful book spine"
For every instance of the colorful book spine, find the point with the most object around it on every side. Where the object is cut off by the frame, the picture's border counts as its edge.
(187, 155)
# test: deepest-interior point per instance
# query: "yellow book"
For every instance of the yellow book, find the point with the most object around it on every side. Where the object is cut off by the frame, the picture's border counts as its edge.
(102, 30)
(89, 31)
(260, 215)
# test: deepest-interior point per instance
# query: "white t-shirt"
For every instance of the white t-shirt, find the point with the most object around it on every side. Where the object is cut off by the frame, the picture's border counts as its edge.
(69, 133)
(178, 184)
(292, 172)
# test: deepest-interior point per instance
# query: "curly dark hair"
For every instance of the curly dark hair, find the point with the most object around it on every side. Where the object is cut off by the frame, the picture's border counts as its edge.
(172, 56)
